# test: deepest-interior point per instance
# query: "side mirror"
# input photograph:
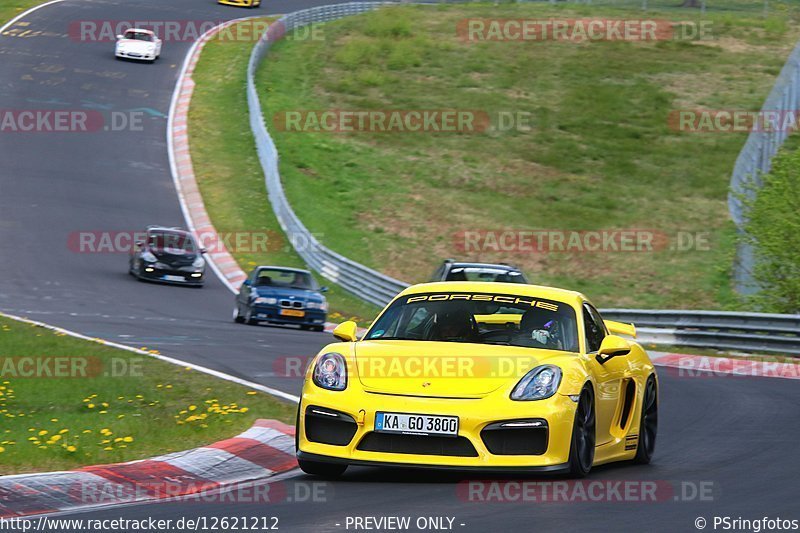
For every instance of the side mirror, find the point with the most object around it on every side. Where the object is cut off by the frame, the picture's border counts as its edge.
(203, 251)
(138, 244)
(323, 289)
(346, 331)
(246, 283)
(612, 346)
(120, 37)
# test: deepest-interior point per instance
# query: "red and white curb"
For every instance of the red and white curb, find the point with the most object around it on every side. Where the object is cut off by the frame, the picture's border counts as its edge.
(194, 210)
(261, 452)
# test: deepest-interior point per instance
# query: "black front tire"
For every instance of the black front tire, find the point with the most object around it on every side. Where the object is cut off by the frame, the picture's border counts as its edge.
(326, 470)
(248, 317)
(237, 316)
(584, 437)
(648, 425)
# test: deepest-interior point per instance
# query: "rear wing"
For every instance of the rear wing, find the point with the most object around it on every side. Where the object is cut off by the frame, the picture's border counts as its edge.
(621, 328)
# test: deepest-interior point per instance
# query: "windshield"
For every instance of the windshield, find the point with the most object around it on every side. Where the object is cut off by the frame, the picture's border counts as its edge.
(171, 242)
(480, 318)
(273, 277)
(484, 274)
(139, 36)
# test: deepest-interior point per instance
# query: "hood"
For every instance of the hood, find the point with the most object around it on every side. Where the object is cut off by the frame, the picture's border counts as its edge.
(302, 295)
(442, 369)
(132, 45)
(174, 256)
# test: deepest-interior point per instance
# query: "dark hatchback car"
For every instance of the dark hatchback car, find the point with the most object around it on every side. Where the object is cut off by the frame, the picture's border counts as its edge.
(168, 255)
(463, 271)
(282, 295)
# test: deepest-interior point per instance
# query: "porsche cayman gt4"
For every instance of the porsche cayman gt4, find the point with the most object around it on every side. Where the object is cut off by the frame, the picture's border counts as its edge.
(472, 375)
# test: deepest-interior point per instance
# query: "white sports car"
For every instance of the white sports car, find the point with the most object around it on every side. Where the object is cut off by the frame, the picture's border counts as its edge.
(138, 44)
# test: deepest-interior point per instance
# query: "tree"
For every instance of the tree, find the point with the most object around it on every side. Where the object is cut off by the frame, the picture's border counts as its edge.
(772, 227)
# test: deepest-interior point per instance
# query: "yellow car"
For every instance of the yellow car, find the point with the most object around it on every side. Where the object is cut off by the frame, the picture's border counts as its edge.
(473, 375)
(240, 3)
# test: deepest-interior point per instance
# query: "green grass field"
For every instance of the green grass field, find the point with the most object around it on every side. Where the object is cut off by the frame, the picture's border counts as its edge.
(600, 154)
(227, 168)
(109, 405)
(10, 8)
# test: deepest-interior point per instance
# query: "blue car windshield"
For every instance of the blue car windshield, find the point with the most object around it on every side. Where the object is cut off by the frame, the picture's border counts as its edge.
(288, 279)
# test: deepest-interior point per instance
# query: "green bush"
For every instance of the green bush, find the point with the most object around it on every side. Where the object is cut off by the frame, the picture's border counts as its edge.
(773, 229)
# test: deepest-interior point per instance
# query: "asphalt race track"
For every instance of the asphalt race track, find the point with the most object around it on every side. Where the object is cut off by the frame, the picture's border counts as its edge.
(55, 184)
(732, 438)
(727, 446)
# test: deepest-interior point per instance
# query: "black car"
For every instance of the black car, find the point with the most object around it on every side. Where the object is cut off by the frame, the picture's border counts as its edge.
(281, 295)
(168, 255)
(463, 271)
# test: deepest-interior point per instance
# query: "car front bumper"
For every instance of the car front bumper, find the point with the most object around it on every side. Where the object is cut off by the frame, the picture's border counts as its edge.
(179, 277)
(470, 450)
(135, 56)
(272, 313)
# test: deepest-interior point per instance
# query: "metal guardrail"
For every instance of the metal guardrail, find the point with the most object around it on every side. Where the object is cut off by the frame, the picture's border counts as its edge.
(760, 332)
(737, 331)
(362, 281)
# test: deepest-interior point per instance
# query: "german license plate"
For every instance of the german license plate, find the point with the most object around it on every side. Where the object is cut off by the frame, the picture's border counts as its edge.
(293, 312)
(174, 278)
(416, 424)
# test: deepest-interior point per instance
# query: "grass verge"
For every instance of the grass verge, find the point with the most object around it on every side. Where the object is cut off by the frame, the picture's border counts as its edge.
(107, 405)
(600, 156)
(228, 171)
(11, 8)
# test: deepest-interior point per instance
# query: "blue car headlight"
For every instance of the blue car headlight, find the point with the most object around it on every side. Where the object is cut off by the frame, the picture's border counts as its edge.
(263, 300)
(322, 306)
(540, 383)
(330, 372)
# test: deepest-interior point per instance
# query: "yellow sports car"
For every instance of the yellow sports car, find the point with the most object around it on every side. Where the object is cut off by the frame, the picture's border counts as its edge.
(473, 375)
(240, 3)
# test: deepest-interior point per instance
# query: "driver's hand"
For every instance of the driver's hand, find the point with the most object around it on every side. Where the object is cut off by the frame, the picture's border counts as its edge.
(542, 336)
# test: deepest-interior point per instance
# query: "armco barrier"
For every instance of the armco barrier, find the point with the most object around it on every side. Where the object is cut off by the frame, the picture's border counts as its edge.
(759, 332)
(738, 331)
(360, 280)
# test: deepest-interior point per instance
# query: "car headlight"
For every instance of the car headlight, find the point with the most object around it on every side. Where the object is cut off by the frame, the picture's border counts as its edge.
(322, 306)
(199, 262)
(538, 384)
(265, 300)
(148, 257)
(330, 372)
